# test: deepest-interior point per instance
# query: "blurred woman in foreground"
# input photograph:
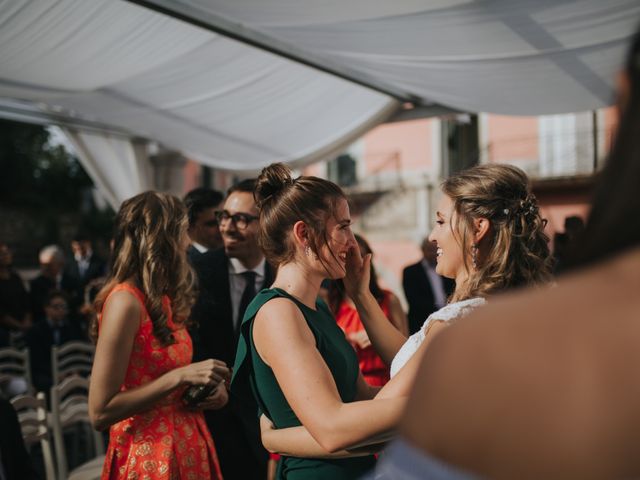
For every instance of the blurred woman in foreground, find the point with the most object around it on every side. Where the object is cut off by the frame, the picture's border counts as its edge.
(545, 384)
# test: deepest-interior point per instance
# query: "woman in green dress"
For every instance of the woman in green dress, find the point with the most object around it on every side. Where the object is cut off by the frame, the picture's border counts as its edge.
(292, 358)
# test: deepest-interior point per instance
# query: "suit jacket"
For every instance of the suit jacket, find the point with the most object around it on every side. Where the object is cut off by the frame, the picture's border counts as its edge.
(193, 254)
(420, 296)
(235, 428)
(40, 339)
(96, 269)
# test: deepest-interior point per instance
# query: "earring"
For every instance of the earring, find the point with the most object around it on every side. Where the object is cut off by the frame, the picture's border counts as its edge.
(309, 253)
(474, 256)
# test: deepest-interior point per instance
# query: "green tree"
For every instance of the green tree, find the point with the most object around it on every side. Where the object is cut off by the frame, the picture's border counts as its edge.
(44, 191)
(37, 174)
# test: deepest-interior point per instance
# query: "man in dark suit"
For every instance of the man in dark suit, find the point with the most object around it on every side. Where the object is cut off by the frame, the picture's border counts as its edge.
(56, 329)
(426, 291)
(202, 204)
(229, 278)
(85, 265)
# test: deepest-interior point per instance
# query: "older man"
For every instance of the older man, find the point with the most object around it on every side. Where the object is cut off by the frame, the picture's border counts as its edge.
(52, 277)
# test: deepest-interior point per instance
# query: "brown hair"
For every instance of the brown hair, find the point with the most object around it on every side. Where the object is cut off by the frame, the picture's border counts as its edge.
(612, 226)
(283, 201)
(148, 252)
(515, 251)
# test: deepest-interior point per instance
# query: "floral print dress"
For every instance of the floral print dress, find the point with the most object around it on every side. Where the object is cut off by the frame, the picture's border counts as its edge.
(167, 441)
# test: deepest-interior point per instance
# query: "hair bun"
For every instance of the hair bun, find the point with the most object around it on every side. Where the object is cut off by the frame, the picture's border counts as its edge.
(272, 181)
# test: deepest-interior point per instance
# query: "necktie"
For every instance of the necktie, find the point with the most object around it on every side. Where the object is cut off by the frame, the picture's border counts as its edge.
(247, 295)
(56, 335)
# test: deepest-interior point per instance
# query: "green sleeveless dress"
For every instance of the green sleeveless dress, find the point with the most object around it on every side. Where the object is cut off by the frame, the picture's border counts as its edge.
(253, 380)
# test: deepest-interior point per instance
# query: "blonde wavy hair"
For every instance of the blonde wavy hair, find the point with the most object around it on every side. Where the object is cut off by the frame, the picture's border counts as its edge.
(148, 252)
(515, 250)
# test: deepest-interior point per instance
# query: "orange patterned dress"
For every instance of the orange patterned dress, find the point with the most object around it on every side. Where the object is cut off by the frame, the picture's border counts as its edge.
(167, 441)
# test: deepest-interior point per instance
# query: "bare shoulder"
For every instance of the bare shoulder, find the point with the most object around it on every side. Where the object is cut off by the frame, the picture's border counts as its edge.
(278, 312)
(279, 323)
(121, 308)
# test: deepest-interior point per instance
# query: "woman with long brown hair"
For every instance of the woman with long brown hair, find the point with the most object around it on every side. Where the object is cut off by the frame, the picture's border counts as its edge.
(143, 354)
(490, 238)
(292, 358)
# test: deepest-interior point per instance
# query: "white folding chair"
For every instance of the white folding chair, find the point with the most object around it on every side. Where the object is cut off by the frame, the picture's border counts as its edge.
(15, 363)
(69, 406)
(72, 358)
(32, 415)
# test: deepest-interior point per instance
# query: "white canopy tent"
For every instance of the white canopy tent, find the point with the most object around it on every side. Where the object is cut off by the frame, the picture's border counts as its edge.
(240, 84)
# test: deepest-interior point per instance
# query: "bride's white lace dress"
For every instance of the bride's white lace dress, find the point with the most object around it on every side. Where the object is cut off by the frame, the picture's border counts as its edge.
(448, 313)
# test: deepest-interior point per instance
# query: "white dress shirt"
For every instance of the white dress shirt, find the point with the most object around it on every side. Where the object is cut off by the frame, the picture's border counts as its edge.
(199, 247)
(83, 262)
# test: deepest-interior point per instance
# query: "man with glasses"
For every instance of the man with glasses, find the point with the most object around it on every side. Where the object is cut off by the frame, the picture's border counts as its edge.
(56, 329)
(229, 278)
(202, 204)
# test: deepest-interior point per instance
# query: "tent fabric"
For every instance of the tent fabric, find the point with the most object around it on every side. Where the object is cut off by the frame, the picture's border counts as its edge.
(230, 105)
(118, 169)
(511, 57)
(219, 101)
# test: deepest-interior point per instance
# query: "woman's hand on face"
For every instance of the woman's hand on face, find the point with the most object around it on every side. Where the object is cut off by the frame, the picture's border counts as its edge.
(356, 280)
(218, 399)
(207, 372)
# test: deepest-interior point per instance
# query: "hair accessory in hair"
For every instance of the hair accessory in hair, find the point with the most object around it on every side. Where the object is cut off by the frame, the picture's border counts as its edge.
(505, 211)
(260, 203)
(528, 207)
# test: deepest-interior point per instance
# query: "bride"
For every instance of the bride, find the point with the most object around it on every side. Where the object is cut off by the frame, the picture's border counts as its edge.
(490, 237)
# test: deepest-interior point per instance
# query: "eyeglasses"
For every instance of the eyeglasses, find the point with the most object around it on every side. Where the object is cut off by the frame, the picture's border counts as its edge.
(240, 220)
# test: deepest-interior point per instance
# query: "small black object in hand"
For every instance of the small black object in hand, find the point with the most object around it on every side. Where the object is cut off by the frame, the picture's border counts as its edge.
(195, 394)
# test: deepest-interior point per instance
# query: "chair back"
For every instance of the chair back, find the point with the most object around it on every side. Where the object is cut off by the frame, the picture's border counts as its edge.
(70, 406)
(72, 358)
(16, 363)
(32, 415)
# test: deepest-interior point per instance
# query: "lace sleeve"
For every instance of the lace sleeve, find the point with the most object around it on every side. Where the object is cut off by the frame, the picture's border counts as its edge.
(448, 313)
